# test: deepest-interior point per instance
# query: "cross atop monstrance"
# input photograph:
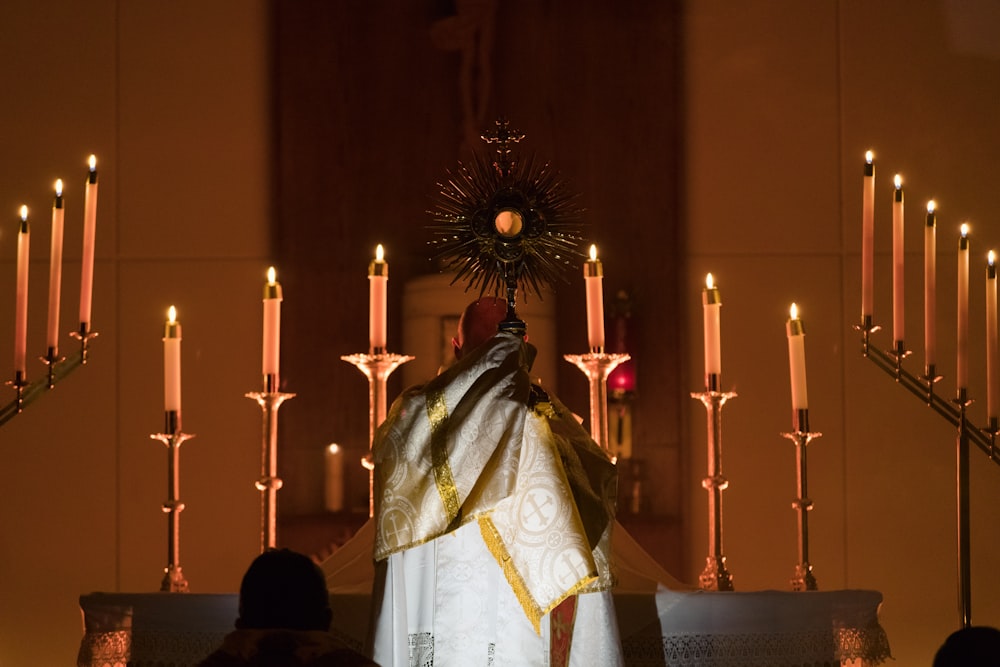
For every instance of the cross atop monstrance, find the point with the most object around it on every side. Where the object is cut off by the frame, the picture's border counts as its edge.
(503, 135)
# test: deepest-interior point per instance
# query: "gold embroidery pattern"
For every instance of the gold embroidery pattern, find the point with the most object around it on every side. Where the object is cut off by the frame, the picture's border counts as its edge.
(437, 413)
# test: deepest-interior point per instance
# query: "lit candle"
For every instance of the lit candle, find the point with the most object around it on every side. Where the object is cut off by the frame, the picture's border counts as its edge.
(89, 235)
(21, 304)
(930, 290)
(334, 489)
(55, 272)
(868, 239)
(711, 301)
(797, 359)
(172, 363)
(378, 276)
(992, 379)
(593, 274)
(272, 328)
(962, 340)
(898, 321)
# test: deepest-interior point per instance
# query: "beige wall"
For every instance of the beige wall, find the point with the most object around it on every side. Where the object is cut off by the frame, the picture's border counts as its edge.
(783, 99)
(174, 100)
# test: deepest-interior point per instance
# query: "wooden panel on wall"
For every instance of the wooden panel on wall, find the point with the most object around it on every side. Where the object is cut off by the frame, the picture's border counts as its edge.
(376, 103)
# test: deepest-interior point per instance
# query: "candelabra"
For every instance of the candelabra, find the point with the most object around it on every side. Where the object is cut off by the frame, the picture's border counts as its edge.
(173, 438)
(269, 400)
(715, 576)
(954, 411)
(59, 367)
(597, 366)
(803, 579)
(377, 367)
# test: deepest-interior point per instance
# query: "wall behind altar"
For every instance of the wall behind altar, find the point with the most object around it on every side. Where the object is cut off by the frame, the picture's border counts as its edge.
(781, 101)
(188, 114)
(375, 103)
(174, 101)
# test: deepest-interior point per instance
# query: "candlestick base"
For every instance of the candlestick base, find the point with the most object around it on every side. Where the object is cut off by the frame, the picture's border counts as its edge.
(803, 579)
(597, 366)
(174, 581)
(715, 576)
(377, 368)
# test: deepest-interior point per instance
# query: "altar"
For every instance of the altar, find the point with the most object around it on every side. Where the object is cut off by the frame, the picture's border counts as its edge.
(663, 622)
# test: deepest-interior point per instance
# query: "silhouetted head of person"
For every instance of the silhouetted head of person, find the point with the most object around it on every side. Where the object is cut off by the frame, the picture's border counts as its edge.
(284, 589)
(478, 323)
(969, 647)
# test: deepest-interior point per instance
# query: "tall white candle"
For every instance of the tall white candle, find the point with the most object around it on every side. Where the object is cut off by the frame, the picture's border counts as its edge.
(868, 238)
(962, 340)
(89, 239)
(378, 277)
(172, 363)
(992, 378)
(593, 275)
(930, 289)
(272, 325)
(797, 359)
(55, 272)
(711, 301)
(898, 286)
(334, 482)
(21, 304)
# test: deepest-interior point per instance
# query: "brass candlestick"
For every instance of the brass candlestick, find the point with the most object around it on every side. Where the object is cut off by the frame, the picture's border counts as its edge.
(377, 367)
(954, 411)
(597, 365)
(803, 579)
(715, 576)
(52, 359)
(27, 393)
(173, 438)
(269, 401)
(84, 335)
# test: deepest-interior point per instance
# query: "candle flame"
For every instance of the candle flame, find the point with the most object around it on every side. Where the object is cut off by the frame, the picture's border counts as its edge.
(931, 206)
(271, 275)
(59, 187)
(593, 252)
(333, 448)
(92, 162)
(991, 257)
(897, 181)
(379, 253)
(709, 281)
(172, 315)
(869, 157)
(24, 212)
(793, 312)
(965, 229)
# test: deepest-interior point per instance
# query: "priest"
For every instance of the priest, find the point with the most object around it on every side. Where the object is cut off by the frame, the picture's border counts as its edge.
(493, 516)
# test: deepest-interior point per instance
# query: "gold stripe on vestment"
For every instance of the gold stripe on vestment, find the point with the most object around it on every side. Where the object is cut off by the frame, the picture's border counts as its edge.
(437, 413)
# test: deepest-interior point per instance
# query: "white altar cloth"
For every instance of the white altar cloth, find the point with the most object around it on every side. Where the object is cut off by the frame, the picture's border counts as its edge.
(662, 623)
